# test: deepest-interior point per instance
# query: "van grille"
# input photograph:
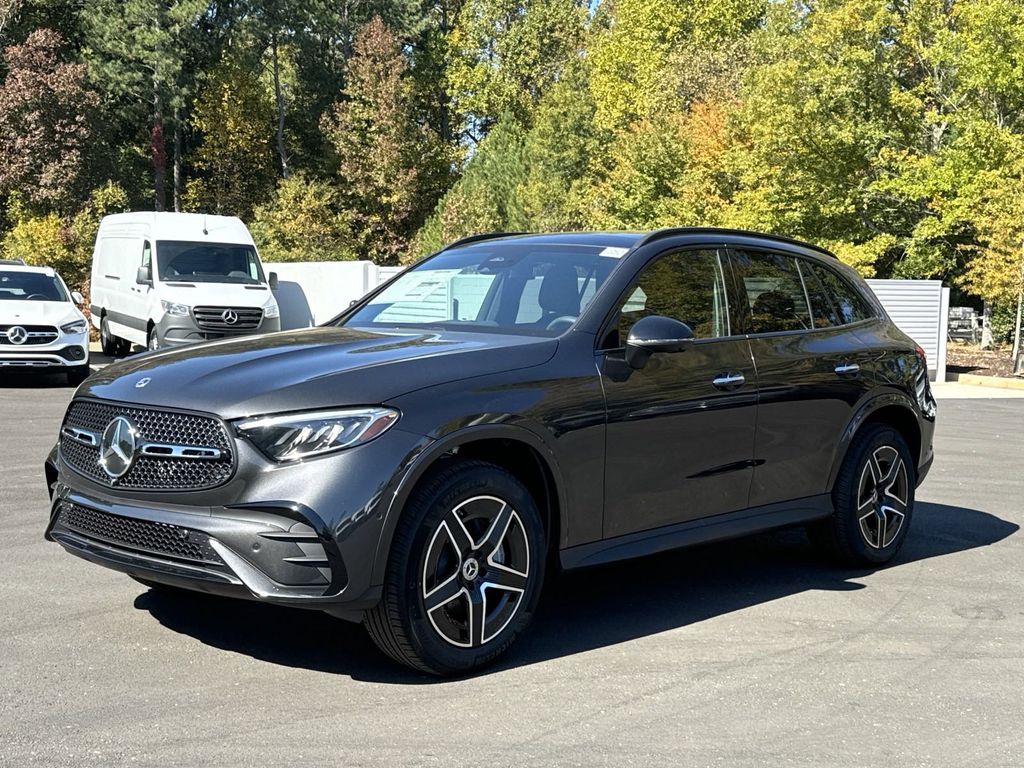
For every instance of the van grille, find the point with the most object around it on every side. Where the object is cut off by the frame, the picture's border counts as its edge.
(228, 318)
(148, 472)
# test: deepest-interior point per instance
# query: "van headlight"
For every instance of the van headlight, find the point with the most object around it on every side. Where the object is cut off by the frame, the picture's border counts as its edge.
(295, 436)
(75, 327)
(271, 310)
(174, 308)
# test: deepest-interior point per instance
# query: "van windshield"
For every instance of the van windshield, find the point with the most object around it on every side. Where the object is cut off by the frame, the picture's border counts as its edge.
(181, 261)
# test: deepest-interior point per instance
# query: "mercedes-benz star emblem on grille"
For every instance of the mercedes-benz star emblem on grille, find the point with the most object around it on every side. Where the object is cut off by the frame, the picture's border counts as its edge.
(117, 447)
(17, 335)
(229, 316)
(142, 382)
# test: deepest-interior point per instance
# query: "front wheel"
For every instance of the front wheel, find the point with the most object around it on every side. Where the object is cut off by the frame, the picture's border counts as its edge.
(873, 499)
(153, 340)
(465, 571)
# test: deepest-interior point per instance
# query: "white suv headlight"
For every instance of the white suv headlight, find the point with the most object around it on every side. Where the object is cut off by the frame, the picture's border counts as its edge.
(75, 327)
(295, 436)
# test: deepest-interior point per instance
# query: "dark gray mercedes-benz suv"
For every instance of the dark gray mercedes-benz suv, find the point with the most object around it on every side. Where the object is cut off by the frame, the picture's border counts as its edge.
(510, 405)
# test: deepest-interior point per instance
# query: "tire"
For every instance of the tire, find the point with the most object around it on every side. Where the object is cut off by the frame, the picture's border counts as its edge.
(109, 343)
(873, 498)
(78, 374)
(469, 534)
(153, 340)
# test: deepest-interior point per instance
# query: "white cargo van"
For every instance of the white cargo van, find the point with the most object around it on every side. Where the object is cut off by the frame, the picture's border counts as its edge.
(165, 279)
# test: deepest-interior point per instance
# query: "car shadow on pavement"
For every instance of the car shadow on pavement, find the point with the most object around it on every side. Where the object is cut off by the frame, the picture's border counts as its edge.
(22, 379)
(581, 610)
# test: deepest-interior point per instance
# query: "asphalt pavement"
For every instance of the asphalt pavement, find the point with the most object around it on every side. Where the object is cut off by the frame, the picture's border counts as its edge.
(747, 653)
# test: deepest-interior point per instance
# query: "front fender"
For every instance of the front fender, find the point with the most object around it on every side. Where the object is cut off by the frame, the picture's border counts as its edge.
(425, 460)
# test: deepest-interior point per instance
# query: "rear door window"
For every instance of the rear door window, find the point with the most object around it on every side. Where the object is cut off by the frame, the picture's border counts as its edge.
(773, 296)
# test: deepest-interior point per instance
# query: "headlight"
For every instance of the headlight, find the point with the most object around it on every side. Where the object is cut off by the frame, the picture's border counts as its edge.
(75, 327)
(271, 311)
(301, 435)
(173, 308)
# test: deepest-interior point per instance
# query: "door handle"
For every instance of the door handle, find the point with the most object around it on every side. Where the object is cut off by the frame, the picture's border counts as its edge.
(847, 369)
(727, 381)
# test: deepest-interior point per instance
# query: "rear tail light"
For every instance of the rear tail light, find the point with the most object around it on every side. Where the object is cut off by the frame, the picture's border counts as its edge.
(921, 355)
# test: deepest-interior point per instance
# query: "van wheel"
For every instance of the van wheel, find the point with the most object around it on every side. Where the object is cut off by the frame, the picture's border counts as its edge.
(873, 500)
(465, 571)
(153, 340)
(109, 343)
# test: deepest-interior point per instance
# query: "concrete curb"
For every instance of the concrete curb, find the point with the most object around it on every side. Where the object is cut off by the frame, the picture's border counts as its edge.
(999, 382)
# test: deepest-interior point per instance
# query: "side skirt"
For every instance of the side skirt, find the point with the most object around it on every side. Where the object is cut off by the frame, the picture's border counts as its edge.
(728, 526)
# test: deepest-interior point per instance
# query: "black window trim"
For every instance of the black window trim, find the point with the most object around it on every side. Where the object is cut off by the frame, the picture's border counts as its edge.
(728, 275)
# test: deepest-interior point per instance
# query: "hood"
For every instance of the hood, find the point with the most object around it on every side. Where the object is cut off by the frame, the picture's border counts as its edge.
(200, 294)
(22, 312)
(310, 368)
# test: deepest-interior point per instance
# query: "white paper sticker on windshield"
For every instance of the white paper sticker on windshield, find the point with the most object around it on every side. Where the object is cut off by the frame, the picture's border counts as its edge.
(614, 253)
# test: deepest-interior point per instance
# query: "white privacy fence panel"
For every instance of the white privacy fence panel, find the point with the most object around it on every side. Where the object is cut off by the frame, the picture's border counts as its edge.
(920, 308)
(313, 292)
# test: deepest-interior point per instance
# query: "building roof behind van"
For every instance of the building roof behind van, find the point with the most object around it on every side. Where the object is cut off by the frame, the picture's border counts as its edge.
(192, 227)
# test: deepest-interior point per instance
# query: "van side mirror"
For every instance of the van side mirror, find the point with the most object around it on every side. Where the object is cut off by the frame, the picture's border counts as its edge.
(144, 276)
(655, 334)
(78, 298)
(272, 281)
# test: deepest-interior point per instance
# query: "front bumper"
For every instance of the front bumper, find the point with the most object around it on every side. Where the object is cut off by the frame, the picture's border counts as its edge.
(315, 549)
(178, 330)
(65, 352)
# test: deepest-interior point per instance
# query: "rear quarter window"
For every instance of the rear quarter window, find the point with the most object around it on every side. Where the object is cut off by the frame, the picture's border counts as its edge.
(849, 305)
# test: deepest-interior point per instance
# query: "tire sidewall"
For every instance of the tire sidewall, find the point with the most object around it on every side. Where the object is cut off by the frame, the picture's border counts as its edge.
(847, 487)
(474, 480)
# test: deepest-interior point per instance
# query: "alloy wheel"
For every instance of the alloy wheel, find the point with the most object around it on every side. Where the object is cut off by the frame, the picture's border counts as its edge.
(882, 497)
(475, 571)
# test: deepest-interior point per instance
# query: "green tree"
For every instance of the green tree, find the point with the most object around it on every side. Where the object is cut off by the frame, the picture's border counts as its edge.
(136, 51)
(234, 116)
(506, 53)
(303, 222)
(391, 167)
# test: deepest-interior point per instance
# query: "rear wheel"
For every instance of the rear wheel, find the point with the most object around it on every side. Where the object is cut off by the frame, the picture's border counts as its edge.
(873, 499)
(465, 571)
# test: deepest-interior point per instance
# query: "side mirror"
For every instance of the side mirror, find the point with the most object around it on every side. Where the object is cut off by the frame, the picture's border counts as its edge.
(655, 334)
(144, 276)
(78, 298)
(272, 281)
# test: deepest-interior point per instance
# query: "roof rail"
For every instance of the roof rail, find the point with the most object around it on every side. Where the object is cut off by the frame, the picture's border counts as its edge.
(478, 238)
(13, 262)
(669, 231)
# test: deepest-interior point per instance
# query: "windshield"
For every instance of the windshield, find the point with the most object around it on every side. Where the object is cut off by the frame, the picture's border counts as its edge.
(516, 287)
(181, 261)
(30, 286)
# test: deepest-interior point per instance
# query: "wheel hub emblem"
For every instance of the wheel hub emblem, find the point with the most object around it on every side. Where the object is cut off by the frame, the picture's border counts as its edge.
(117, 447)
(17, 335)
(229, 316)
(470, 569)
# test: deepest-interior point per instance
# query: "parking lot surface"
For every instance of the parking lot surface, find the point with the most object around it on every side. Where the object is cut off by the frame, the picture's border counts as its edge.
(747, 653)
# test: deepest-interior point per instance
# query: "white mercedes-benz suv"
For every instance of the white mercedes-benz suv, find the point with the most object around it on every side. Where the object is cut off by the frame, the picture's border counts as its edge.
(41, 326)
